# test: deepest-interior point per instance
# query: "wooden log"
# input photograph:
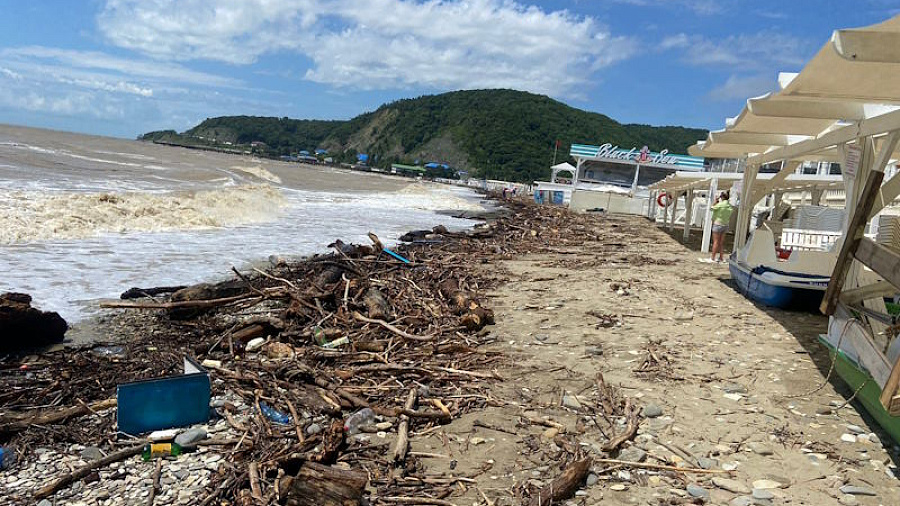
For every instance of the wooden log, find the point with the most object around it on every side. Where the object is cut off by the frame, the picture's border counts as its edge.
(376, 243)
(402, 445)
(660, 467)
(477, 318)
(332, 443)
(63, 481)
(564, 485)
(249, 332)
(23, 327)
(631, 427)
(14, 422)
(395, 330)
(204, 292)
(414, 235)
(376, 304)
(328, 276)
(320, 485)
(139, 293)
(474, 316)
(421, 501)
(187, 304)
(255, 489)
(351, 250)
(155, 487)
(458, 299)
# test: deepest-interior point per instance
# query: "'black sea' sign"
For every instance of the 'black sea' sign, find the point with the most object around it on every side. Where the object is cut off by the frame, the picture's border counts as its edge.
(609, 151)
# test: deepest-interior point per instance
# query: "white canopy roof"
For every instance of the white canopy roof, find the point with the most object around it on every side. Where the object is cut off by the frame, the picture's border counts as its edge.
(683, 181)
(563, 166)
(855, 77)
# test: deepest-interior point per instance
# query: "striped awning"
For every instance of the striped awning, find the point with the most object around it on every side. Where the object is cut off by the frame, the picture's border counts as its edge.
(608, 152)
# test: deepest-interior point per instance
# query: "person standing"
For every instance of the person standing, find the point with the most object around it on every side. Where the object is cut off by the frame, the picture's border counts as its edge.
(721, 217)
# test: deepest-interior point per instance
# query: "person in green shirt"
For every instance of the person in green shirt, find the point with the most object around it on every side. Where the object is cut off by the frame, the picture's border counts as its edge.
(721, 216)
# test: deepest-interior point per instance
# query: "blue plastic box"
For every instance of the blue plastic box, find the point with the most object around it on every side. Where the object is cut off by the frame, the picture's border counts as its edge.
(163, 403)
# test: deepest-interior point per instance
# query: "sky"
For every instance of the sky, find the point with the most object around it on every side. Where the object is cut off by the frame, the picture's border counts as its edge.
(124, 67)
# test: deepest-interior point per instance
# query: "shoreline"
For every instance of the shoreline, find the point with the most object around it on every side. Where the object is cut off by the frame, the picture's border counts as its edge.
(87, 332)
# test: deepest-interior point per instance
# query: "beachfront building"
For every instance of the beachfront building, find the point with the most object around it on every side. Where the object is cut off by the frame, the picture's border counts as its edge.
(627, 168)
(611, 178)
(407, 170)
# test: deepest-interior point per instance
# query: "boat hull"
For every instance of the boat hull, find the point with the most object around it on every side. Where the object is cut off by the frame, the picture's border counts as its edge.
(869, 395)
(780, 290)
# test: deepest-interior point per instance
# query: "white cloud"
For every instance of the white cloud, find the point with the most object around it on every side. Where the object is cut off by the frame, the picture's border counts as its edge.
(741, 87)
(10, 74)
(90, 84)
(703, 7)
(447, 44)
(66, 60)
(745, 52)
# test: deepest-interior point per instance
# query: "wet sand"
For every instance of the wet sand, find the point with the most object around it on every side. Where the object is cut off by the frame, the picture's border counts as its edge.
(86, 157)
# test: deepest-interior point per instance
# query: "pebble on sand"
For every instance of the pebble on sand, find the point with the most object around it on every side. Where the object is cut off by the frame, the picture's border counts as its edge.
(857, 490)
(697, 491)
(651, 411)
(848, 438)
(731, 485)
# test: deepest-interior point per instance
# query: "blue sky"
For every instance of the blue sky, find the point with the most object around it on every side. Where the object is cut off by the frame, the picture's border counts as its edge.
(124, 67)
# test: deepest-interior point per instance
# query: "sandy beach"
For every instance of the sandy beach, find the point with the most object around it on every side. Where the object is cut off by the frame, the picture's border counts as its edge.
(610, 319)
(739, 386)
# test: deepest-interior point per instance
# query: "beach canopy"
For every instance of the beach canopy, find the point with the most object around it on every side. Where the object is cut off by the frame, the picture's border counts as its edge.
(854, 79)
(683, 181)
(563, 166)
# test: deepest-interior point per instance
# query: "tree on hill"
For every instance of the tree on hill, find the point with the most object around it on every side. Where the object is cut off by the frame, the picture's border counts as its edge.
(498, 134)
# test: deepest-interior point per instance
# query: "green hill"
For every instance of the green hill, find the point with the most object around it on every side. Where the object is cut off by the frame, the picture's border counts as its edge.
(498, 134)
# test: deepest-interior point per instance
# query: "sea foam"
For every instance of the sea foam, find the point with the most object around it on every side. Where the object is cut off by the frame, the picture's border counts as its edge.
(30, 216)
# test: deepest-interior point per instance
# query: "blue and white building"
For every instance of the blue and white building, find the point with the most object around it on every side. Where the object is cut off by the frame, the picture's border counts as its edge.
(631, 169)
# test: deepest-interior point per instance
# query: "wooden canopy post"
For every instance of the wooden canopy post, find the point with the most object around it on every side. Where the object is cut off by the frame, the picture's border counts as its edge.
(688, 214)
(707, 218)
(674, 210)
(745, 211)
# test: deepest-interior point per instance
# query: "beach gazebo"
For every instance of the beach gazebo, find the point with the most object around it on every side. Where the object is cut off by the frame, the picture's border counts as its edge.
(563, 167)
(843, 106)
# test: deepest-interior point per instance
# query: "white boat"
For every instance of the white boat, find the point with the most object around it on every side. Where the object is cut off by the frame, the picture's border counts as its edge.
(796, 282)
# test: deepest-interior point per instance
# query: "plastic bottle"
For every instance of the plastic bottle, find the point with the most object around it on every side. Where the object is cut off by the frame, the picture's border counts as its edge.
(156, 450)
(7, 457)
(337, 342)
(274, 415)
(359, 419)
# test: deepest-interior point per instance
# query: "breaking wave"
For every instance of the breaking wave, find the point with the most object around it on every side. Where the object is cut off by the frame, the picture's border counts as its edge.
(259, 172)
(31, 216)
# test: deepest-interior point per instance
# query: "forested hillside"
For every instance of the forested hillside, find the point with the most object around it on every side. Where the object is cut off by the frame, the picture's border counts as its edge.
(499, 134)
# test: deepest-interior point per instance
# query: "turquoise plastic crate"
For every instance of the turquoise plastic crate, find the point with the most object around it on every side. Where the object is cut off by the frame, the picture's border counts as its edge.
(162, 403)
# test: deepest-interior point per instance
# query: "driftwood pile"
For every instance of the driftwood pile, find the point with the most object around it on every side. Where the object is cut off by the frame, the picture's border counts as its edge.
(413, 331)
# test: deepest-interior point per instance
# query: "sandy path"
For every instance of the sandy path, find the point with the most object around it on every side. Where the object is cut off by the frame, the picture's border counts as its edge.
(734, 385)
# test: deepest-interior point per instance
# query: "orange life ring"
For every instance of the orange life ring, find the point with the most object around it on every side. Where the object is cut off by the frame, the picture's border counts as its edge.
(664, 195)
